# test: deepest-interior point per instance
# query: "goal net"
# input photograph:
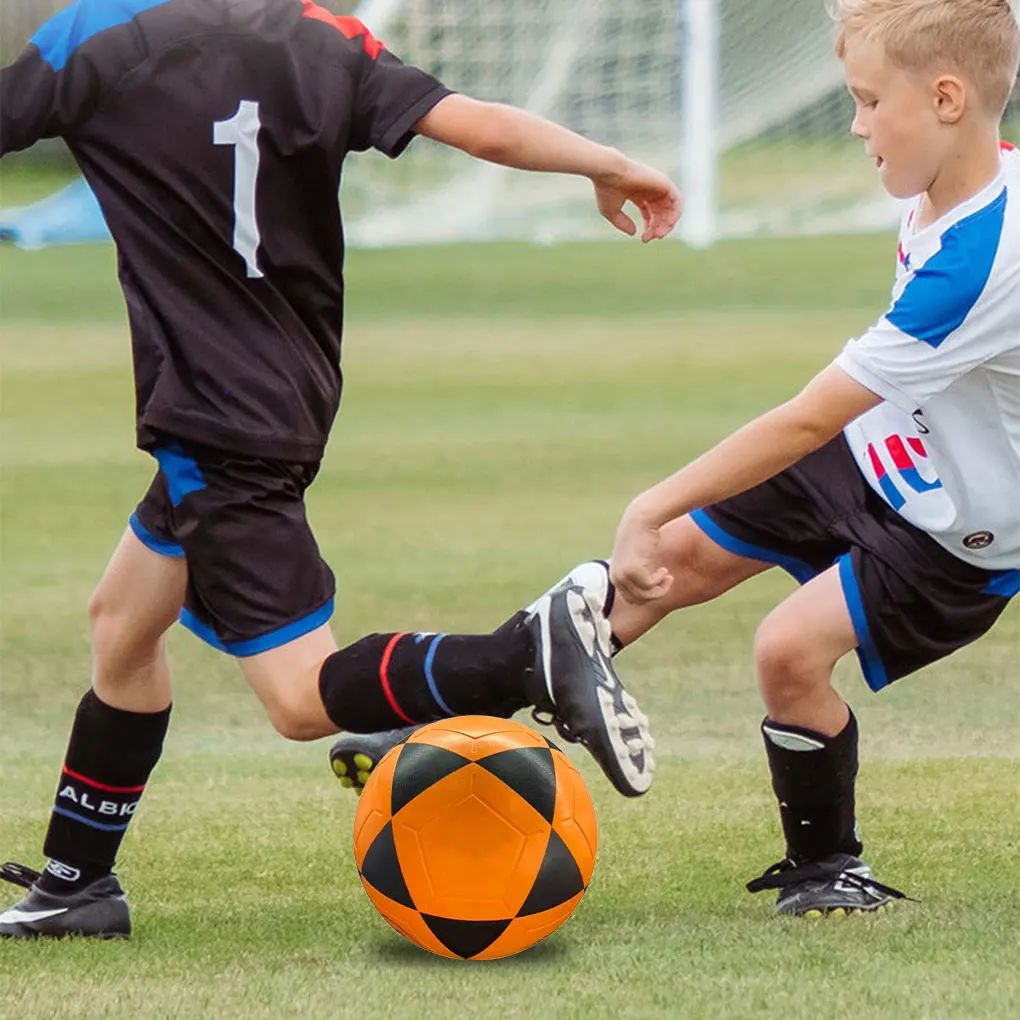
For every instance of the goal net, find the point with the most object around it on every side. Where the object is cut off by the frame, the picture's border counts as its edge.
(740, 100)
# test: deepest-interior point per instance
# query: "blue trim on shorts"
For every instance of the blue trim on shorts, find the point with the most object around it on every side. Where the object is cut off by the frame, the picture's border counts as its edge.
(800, 570)
(157, 545)
(430, 679)
(266, 642)
(1006, 584)
(868, 655)
(182, 472)
(57, 810)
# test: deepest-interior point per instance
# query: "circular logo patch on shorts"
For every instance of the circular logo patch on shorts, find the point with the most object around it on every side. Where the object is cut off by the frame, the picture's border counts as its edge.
(979, 540)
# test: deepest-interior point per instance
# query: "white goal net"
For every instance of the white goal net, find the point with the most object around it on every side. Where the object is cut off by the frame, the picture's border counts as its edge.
(741, 100)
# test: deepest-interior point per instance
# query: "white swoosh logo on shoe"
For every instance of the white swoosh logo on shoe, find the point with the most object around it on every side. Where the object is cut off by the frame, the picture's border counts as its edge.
(15, 916)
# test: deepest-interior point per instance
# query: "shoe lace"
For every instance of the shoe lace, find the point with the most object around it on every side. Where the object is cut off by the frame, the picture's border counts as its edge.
(786, 872)
(18, 874)
(544, 718)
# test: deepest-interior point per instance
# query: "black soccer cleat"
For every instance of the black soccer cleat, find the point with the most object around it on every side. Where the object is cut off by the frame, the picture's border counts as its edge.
(840, 884)
(98, 911)
(354, 755)
(574, 686)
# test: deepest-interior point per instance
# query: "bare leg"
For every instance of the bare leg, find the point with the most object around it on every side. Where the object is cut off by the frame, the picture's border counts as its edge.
(136, 602)
(702, 571)
(796, 649)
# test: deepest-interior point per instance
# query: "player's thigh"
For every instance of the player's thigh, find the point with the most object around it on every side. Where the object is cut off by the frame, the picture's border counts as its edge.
(702, 570)
(286, 681)
(138, 598)
(801, 640)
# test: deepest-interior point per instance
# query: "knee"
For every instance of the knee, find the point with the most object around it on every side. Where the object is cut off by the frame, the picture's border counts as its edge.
(781, 660)
(291, 718)
(113, 636)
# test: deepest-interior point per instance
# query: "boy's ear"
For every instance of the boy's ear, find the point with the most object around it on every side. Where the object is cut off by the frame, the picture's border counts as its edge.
(950, 98)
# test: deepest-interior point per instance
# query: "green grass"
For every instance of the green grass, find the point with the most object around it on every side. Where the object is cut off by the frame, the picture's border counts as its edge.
(503, 404)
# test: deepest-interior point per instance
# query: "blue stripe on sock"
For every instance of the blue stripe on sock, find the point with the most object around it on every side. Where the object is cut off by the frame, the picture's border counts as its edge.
(88, 821)
(157, 545)
(801, 570)
(430, 679)
(870, 659)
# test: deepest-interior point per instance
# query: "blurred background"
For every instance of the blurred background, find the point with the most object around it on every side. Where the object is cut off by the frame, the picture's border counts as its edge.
(741, 101)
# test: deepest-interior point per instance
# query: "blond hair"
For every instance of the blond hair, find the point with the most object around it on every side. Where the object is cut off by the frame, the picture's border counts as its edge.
(978, 38)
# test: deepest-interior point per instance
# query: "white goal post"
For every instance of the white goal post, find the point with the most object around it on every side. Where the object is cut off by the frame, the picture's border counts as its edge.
(742, 101)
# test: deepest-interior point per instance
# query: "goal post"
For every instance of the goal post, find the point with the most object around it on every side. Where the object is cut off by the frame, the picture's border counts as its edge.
(741, 101)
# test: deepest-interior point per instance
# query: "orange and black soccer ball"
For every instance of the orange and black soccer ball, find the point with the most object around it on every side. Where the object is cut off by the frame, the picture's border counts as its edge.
(475, 837)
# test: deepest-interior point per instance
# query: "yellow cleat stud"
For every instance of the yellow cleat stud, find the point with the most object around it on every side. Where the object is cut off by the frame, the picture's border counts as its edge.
(812, 913)
(346, 782)
(363, 775)
(339, 768)
(363, 761)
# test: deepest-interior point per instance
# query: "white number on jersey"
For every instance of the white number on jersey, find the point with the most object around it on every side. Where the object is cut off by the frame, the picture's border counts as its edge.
(242, 132)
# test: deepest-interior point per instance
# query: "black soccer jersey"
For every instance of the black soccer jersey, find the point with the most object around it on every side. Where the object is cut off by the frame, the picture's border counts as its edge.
(213, 133)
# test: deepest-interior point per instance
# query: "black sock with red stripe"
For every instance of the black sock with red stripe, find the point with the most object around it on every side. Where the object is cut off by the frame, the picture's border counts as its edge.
(109, 757)
(385, 681)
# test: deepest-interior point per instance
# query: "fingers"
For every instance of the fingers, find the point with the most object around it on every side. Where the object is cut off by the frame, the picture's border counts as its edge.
(639, 586)
(621, 221)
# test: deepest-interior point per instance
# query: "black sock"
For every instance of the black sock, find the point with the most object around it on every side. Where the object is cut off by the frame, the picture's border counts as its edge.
(109, 757)
(813, 776)
(388, 680)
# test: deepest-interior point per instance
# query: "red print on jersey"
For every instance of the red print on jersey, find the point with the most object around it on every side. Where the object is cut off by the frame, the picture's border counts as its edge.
(1007, 146)
(349, 28)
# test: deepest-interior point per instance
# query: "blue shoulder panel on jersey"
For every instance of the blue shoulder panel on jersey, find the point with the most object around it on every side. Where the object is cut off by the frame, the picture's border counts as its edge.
(943, 291)
(66, 31)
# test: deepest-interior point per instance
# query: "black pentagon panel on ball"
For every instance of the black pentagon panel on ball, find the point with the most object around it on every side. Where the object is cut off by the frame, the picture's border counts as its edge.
(559, 879)
(418, 767)
(381, 868)
(466, 938)
(529, 772)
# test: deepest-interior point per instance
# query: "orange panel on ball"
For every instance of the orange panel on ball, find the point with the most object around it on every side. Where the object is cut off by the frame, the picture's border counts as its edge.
(374, 805)
(477, 736)
(406, 921)
(524, 932)
(574, 818)
(469, 847)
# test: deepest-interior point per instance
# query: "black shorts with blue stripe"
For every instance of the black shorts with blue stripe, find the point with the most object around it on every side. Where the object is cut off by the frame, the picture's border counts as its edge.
(256, 579)
(912, 602)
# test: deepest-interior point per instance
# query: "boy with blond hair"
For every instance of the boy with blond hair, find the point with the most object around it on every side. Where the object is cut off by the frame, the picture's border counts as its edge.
(890, 486)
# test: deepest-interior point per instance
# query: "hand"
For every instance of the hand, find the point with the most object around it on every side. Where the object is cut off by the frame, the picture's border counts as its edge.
(636, 564)
(655, 195)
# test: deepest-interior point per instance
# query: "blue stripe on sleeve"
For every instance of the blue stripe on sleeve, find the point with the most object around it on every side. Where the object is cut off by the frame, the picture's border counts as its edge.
(943, 291)
(72, 26)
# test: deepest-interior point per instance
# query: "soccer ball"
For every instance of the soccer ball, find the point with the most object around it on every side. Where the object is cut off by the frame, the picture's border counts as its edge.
(475, 838)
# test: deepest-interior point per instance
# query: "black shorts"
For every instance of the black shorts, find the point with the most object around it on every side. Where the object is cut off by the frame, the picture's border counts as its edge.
(912, 602)
(256, 579)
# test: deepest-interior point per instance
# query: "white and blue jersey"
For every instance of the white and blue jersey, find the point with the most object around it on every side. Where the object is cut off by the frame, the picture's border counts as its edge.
(943, 449)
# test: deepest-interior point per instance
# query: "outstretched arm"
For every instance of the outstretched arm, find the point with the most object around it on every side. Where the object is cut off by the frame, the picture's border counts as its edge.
(751, 455)
(515, 138)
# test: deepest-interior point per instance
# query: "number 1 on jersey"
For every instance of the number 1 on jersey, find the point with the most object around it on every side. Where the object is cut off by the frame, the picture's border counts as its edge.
(242, 132)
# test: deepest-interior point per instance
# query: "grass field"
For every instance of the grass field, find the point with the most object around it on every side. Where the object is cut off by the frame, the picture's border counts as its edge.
(502, 406)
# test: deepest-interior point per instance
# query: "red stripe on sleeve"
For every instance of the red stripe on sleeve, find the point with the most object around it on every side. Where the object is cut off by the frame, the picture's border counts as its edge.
(917, 446)
(349, 28)
(1008, 146)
